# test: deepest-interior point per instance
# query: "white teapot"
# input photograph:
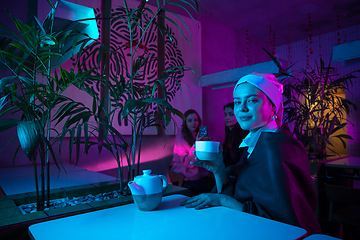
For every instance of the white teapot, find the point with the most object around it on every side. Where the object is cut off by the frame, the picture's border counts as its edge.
(147, 190)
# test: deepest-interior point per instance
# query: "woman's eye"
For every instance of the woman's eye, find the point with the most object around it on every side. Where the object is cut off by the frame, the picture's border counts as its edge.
(253, 100)
(237, 103)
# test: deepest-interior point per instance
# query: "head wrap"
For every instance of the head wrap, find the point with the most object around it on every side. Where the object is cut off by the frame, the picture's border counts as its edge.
(269, 85)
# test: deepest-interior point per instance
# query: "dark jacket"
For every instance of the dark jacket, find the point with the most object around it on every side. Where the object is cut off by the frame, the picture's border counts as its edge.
(231, 151)
(275, 181)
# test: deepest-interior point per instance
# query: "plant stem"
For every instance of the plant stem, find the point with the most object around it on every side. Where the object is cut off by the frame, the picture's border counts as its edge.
(42, 183)
(139, 145)
(37, 187)
(120, 175)
(48, 184)
(133, 152)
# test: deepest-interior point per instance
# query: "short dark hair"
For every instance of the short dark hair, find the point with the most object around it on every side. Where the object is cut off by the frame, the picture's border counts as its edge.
(229, 105)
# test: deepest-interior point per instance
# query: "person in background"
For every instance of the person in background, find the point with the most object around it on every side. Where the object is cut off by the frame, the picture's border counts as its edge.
(197, 180)
(234, 135)
(275, 182)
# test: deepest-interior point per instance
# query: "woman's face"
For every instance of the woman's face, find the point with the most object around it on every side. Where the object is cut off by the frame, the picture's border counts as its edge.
(253, 108)
(230, 119)
(192, 122)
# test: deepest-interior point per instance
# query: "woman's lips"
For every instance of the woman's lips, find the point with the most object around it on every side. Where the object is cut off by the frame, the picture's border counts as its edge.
(244, 118)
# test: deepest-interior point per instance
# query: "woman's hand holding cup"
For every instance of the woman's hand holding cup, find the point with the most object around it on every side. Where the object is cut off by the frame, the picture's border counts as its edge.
(213, 165)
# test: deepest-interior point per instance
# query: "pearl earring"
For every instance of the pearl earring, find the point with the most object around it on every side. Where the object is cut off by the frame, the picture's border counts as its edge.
(274, 117)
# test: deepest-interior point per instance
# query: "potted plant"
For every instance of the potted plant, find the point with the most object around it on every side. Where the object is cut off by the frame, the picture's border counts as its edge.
(314, 107)
(130, 99)
(35, 91)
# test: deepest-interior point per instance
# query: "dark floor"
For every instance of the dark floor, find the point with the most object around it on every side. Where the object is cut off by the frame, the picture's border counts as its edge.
(15, 234)
(337, 230)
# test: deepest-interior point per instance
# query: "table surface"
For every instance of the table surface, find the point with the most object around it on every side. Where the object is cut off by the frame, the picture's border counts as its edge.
(169, 221)
(21, 179)
(346, 162)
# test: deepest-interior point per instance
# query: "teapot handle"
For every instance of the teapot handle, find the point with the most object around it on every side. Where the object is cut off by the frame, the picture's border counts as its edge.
(165, 182)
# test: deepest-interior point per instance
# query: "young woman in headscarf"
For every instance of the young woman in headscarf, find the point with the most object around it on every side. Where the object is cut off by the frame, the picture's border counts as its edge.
(275, 182)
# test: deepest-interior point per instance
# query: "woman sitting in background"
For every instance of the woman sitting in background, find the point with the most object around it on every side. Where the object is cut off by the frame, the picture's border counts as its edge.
(275, 182)
(234, 135)
(197, 180)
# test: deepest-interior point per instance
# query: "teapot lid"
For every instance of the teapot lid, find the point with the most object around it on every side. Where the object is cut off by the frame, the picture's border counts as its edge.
(147, 172)
(151, 183)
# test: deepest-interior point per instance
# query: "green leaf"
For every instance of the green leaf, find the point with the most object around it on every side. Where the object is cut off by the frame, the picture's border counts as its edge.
(65, 110)
(6, 124)
(28, 137)
(342, 141)
(2, 102)
(77, 118)
(7, 32)
(344, 136)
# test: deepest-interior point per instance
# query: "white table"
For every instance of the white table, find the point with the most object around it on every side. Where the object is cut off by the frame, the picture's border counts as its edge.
(170, 221)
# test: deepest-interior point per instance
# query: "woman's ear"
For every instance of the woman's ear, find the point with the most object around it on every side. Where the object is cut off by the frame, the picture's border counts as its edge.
(273, 108)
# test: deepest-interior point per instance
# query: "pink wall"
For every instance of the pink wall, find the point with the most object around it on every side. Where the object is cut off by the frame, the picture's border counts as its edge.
(224, 49)
(218, 54)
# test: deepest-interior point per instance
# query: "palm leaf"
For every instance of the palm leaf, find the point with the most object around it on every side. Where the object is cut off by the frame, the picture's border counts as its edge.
(6, 124)
(28, 137)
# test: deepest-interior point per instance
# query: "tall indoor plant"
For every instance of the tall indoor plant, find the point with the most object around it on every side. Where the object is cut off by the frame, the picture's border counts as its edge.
(313, 107)
(32, 97)
(37, 85)
(130, 99)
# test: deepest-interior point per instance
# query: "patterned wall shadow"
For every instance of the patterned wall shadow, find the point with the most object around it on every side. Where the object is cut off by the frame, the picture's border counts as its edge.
(120, 43)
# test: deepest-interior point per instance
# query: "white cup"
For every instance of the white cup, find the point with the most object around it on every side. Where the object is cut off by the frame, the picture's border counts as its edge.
(207, 146)
(207, 150)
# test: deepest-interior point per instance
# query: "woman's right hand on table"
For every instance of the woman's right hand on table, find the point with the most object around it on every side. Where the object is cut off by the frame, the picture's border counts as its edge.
(206, 200)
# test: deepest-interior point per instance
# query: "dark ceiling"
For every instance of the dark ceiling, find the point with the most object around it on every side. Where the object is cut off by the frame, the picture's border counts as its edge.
(291, 20)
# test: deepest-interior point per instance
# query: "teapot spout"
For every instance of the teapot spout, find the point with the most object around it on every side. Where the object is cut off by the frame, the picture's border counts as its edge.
(135, 189)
